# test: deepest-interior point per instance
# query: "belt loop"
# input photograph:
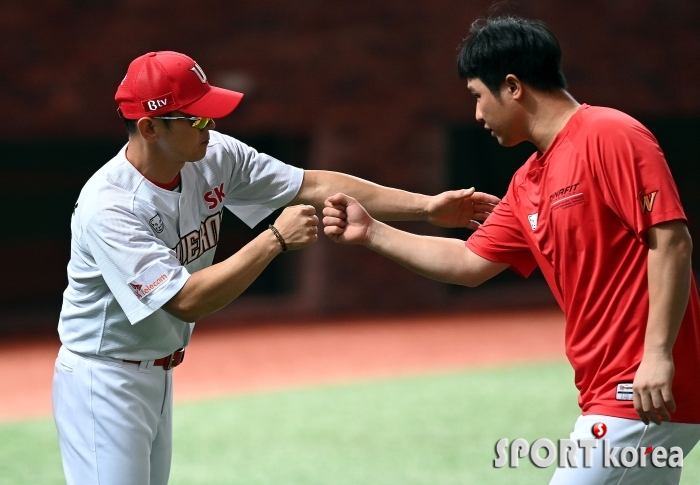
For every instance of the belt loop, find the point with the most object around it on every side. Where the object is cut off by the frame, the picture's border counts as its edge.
(171, 359)
(175, 359)
(145, 366)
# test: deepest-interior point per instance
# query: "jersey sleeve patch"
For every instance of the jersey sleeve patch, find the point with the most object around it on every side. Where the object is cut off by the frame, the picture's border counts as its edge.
(647, 200)
(149, 281)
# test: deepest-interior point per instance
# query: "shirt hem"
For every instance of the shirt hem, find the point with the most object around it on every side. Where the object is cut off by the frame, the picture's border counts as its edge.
(625, 413)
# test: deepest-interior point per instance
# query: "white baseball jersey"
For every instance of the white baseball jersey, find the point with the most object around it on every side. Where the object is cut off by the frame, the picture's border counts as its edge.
(134, 244)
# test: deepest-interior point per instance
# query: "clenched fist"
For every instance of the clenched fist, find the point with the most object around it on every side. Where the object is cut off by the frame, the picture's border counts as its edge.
(298, 226)
(345, 220)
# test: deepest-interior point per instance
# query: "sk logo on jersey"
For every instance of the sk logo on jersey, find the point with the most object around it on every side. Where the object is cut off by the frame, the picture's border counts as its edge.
(137, 290)
(214, 197)
(533, 220)
(156, 223)
(647, 200)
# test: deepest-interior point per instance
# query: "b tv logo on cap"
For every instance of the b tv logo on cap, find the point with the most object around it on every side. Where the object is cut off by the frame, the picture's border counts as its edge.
(159, 102)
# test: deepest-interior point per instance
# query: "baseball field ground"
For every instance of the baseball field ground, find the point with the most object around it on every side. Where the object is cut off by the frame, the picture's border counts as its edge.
(355, 417)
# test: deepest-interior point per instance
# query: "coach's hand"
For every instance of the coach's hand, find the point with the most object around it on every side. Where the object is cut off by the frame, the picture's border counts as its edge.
(346, 221)
(298, 226)
(460, 208)
(653, 399)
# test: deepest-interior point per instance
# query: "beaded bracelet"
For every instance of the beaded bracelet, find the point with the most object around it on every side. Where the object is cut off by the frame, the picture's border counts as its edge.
(279, 237)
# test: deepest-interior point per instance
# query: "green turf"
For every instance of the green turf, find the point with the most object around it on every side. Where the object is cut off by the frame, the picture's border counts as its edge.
(428, 430)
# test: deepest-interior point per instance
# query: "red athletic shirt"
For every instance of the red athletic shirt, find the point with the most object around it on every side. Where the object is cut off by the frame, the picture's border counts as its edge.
(580, 212)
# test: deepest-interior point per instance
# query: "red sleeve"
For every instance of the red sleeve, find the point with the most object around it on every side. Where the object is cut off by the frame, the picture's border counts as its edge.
(501, 240)
(634, 176)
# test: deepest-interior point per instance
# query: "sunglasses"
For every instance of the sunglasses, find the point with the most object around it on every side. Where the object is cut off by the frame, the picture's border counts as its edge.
(197, 121)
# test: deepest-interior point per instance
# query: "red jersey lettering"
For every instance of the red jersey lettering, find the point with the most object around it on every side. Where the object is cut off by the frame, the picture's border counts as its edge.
(215, 197)
(219, 192)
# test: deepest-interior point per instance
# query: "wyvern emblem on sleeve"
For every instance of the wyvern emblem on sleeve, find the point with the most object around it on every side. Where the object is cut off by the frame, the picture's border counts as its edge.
(647, 200)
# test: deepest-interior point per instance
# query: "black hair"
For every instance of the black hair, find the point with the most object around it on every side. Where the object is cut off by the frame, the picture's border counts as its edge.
(131, 127)
(506, 45)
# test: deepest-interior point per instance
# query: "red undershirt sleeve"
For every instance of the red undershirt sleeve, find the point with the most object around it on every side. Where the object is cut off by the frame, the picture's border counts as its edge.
(501, 240)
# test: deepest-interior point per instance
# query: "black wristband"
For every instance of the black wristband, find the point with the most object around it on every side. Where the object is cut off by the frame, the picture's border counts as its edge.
(279, 237)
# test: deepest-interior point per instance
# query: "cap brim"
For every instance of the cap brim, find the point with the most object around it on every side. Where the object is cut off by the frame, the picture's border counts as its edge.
(217, 103)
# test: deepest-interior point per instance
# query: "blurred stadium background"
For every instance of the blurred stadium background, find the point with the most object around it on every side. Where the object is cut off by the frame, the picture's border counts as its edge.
(367, 88)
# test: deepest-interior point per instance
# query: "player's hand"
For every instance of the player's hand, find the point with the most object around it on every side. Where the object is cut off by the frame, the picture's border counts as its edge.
(345, 220)
(460, 208)
(298, 226)
(653, 399)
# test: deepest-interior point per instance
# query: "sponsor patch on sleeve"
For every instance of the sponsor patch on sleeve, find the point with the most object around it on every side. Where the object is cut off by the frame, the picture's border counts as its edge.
(624, 392)
(148, 281)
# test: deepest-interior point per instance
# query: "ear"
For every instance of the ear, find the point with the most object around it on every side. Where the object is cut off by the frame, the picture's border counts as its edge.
(147, 129)
(514, 86)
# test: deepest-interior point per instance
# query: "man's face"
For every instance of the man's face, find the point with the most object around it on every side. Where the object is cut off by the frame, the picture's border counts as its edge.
(496, 112)
(182, 141)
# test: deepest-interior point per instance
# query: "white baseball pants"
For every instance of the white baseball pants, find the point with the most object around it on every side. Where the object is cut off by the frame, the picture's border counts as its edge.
(623, 433)
(114, 420)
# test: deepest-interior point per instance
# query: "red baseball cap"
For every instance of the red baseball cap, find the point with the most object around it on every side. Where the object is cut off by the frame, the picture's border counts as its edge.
(160, 82)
